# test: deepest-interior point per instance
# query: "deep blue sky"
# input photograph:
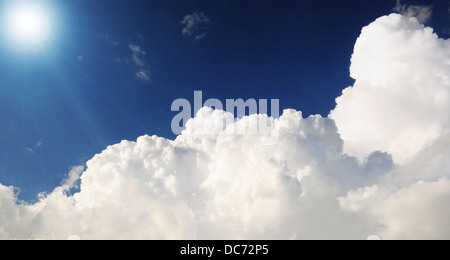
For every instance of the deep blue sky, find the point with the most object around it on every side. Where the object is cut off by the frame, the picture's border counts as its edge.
(70, 99)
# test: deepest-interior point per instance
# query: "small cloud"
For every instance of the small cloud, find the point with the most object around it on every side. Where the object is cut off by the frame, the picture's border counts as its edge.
(143, 75)
(195, 25)
(421, 12)
(32, 150)
(138, 57)
(136, 49)
(199, 37)
(138, 61)
(111, 40)
(132, 55)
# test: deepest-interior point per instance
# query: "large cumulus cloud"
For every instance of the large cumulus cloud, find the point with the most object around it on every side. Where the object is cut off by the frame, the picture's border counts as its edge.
(204, 186)
(400, 102)
(377, 165)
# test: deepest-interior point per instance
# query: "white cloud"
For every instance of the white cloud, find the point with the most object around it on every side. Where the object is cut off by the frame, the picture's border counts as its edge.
(228, 186)
(144, 75)
(32, 150)
(195, 25)
(136, 49)
(214, 186)
(421, 12)
(199, 37)
(138, 57)
(418, 211)
(72, 178)
(401, 98)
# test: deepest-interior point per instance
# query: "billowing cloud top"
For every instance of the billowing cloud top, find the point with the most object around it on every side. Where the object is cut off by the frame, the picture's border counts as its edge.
(400, 102)
(228, 186)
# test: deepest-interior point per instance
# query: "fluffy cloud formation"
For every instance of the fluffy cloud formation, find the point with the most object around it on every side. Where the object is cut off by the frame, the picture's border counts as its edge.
(401, 98)
(201, 186)
(217, 185)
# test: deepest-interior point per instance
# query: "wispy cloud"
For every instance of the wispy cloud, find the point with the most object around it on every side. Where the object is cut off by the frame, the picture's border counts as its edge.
(32, 150)
(138, 57)
(110, 40)
(143, 75)
(195, 25)
(131, 55)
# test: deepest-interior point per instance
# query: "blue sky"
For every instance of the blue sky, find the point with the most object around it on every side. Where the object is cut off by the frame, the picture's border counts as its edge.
(68, 99)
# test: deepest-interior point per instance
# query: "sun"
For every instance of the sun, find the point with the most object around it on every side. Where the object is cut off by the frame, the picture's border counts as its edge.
(27, 23)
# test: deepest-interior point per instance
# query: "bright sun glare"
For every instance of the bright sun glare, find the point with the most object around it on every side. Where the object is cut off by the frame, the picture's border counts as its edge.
(28, 23)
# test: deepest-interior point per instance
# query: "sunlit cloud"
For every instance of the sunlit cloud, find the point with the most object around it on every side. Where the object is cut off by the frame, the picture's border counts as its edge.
(376, 167)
